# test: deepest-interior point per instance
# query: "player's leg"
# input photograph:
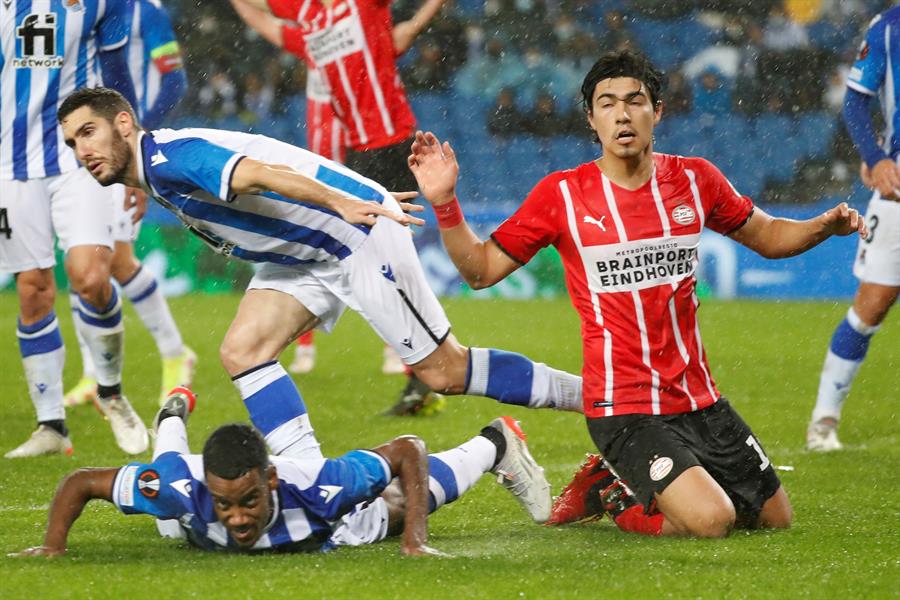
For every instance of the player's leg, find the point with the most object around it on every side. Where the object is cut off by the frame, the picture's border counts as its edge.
(26, 248)
(170, 435)
(499, 448)
(878, 268)
(279, 304)
(141, 288)
(84, 391)
(82, 213)
(673, 494)
(387, 286)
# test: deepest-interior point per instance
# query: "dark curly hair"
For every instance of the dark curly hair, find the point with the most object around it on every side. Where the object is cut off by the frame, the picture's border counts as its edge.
(233, 450)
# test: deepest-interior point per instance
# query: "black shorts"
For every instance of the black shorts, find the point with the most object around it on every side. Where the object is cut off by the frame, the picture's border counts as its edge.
(650, 451)
(386, 166)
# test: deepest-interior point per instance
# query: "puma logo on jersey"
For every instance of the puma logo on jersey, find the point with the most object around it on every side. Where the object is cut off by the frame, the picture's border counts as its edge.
(158, 159)
(590, 219)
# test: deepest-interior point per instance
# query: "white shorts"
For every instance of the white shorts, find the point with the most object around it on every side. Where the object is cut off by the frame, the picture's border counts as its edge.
(382, 280)
(366, 524)
(123, 229)
(73, 205)
(878, 256)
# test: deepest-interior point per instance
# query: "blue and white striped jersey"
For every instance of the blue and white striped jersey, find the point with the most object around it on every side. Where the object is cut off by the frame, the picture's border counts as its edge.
(48, 49)
(152, 51)
(877, 72)
(189, 172)
(312, 495)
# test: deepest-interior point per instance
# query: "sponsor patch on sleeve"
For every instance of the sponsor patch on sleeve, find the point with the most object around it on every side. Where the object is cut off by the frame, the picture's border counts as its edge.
(125, 493)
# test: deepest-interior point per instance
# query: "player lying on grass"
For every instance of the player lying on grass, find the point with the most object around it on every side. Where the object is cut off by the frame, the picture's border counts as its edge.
(627, 226)
(311, 225)
(236, 497)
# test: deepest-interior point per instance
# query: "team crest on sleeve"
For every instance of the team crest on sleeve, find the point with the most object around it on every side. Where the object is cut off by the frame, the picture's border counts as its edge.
(148, 484)
(863, 50)
(660, 468)
(683, 214)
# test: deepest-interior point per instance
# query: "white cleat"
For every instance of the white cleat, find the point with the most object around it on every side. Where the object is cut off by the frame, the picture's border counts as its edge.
(821, 436)
(45, 440)
(304, 360)
(392, 363)
(518, 472)
(129, 430)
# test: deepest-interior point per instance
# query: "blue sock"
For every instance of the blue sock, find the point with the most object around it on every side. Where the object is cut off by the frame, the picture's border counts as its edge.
(277, 410)
(512, 378)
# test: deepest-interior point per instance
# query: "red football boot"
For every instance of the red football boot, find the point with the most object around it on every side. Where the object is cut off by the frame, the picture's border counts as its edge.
(580, 500)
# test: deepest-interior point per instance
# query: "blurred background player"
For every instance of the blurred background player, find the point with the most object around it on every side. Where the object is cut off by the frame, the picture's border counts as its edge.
(154, 60)
(366, 95)
(236, 497)
(877, 263)
(627, 226)
(49, 50)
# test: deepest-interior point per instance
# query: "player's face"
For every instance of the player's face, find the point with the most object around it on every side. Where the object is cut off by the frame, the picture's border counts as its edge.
(243, 505)
(98, 145)
(623, 116)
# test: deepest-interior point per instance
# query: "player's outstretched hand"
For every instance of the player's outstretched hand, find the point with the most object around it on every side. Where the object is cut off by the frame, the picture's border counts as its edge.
(44, 551)
(435, 168)
(843, 220)
(884, 177)
(359, 212)
(421, 550)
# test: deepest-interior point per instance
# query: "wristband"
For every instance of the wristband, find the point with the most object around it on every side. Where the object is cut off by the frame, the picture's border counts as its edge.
(449, 214)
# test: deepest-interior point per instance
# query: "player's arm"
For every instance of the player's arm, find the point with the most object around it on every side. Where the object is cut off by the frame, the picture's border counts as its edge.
(252, 176)
(480, 263)
(260, 19)
(112, 39)
(774, 237)
(406, 32)
(884, 173)
(408, 461)
(166, 56)
(75, 491)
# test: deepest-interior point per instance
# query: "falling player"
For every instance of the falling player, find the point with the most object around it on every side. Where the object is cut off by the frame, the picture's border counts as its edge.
(235, 497)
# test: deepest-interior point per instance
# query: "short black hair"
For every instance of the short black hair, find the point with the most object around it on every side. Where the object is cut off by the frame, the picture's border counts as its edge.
(233, 450)
(106, 102)
(622, 63)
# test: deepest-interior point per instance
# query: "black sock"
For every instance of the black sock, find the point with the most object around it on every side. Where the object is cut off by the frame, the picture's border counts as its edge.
(495, 437)
(59, 425)
(108, 391)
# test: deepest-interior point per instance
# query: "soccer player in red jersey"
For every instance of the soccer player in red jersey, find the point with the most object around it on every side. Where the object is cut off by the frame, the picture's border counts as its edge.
(627, 226)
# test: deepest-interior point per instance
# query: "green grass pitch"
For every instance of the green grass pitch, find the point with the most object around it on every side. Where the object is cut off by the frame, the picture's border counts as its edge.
(845, 542)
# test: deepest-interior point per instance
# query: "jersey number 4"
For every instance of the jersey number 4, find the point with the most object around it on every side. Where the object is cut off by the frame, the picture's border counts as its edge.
(5, 229)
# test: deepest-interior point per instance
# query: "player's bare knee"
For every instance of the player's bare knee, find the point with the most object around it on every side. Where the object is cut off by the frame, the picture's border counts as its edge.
(414, 443)
(36, 291)
(714, 523)
(93, 285)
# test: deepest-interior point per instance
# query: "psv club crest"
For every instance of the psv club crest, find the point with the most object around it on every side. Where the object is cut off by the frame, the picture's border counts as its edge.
(683, 214)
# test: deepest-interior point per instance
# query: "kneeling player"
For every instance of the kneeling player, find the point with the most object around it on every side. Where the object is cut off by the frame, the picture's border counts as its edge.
(236, 497)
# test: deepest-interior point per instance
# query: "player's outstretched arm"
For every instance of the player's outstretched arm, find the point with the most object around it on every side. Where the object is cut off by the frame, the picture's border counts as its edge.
(774, 237)
(76, 490)
(405, 33)
(408, 459)
(261, 21)
(481, 264)
(252, 176)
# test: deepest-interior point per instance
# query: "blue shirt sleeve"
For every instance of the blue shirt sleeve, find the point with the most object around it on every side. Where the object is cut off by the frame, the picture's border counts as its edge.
(161, 488)
(115, 25)
(195, 163)
(868, 72)
(344, 482)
